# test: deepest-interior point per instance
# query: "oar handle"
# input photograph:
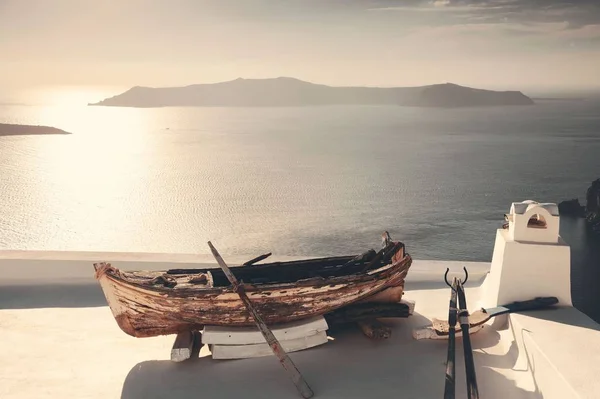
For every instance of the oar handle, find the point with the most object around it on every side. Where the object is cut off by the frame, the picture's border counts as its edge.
(257, 259)
(532, 304)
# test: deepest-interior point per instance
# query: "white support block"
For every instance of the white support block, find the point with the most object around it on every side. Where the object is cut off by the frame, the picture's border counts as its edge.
(251, 335)
(263, 349)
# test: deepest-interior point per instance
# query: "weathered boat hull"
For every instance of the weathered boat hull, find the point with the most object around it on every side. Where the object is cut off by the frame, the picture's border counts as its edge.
(143, 311)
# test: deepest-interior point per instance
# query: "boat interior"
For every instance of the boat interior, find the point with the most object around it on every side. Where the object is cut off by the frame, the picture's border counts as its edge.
(269, 273)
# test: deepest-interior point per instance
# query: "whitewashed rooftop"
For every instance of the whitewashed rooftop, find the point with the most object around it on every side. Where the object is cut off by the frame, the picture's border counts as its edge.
(75, 351)
(58, 339)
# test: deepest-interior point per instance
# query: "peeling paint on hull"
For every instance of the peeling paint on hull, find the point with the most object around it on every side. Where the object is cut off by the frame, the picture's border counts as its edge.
(143, 311)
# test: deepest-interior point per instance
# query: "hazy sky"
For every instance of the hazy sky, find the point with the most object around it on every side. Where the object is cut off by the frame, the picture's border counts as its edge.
(507, 44)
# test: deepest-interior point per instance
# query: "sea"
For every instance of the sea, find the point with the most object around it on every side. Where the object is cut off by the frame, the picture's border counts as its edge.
(299, 181)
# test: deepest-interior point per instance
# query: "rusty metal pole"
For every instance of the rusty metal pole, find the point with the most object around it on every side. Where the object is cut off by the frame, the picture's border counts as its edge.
(276, 347)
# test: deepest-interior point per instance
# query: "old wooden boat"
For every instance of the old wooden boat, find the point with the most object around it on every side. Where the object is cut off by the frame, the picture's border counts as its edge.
(150, 303)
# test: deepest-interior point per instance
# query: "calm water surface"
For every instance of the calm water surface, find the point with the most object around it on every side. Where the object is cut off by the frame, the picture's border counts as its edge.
(295, 181)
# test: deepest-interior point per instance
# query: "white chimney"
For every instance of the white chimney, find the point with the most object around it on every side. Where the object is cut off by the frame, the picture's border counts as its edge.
(530, 258)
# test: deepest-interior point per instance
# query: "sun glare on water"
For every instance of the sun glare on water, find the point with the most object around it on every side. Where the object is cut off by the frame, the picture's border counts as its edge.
(100, 131)
(97, 167)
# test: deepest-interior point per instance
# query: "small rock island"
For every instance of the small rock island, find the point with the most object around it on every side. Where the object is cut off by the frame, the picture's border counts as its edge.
(591, 210)
(7, 129)
(285, 91)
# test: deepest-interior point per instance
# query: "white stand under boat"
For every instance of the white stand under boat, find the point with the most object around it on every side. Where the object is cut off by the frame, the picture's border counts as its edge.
(247, 342)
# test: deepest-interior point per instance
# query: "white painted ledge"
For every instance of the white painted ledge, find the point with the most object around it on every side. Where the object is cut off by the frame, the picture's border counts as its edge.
(68, 267)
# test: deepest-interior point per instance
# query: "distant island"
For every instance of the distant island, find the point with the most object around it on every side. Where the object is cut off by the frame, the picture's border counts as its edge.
(26, 130)
(293, 92)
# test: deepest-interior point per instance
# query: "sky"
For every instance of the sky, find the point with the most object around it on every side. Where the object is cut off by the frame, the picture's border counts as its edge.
(498, 44)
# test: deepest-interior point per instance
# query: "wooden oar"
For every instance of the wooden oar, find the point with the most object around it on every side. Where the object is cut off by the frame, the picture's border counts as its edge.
(439, 329)
(276, 347)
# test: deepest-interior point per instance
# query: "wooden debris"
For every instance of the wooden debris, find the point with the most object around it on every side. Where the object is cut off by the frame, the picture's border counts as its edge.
(164, 280)
(200, 278)
(429, 332)
(375, 329)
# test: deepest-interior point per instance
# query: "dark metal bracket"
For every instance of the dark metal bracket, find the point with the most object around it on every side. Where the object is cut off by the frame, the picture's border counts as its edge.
(463, 282)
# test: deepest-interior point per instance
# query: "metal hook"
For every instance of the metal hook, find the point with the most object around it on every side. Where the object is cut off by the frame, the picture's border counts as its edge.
(446, 277)
(463, 282)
